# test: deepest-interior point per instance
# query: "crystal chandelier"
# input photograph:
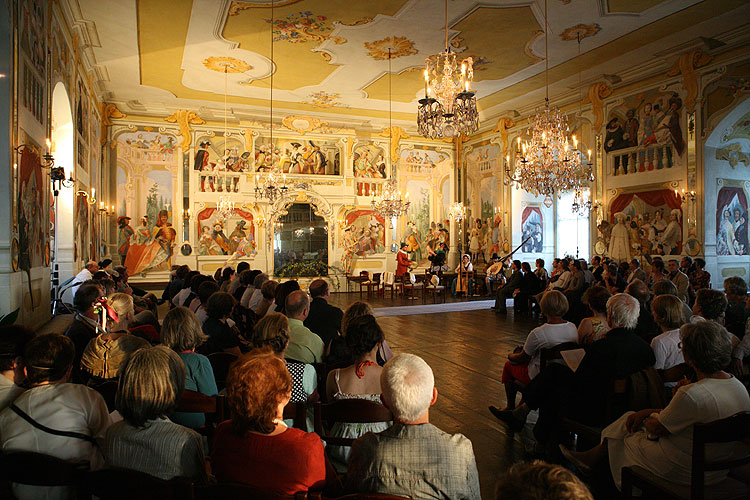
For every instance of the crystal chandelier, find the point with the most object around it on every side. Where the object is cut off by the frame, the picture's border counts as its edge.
(448, 108)
(547, 162)
(225, 206)
(581, 203)
(390, 204)
(457, 211)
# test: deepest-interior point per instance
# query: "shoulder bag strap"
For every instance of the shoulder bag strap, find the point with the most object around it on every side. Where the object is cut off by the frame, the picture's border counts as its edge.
(44, 428)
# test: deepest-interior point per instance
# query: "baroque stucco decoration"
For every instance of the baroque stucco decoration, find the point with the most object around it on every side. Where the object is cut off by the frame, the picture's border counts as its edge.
(734, 155)
(597, 92)
(302, 124)
(686, 66)
(184, 118)
(395, 134)
(503, 124)
(107, 112)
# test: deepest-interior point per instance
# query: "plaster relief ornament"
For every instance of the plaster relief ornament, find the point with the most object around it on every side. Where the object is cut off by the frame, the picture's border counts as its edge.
(303, 27)
(400, 46)
(228, 64)
(323, 99)
(580, 31)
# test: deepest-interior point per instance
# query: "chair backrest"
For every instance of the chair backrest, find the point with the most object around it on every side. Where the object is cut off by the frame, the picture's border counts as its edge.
(376, 277)
(364, 274)
(235, 491)
(677, 372)
(388, 278)
(727, 430)
(348, 410)
(298, 413)
(552, 353)
(108, 390)
(220, 363)
(125, 484)
(25, 467)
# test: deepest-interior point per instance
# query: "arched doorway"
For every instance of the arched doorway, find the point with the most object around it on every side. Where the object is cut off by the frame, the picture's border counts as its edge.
(62, 137)
(300, 242)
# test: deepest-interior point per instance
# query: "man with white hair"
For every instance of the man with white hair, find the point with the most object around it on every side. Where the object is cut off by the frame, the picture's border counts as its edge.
(86, 274)
(558, 392)
(412, 457)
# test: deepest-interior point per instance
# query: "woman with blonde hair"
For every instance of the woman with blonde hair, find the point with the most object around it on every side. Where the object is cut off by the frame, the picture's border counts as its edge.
(146, 440)
(105, 353)
(667, 347)
(256, 447)
(273, 331)
(182, 333)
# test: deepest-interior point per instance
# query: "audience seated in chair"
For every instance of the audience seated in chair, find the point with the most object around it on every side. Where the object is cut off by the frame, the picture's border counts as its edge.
(146, 440)
(667, 346)
(273, 331)
(679, 278)
(506, 291)
(594, 327)
(56, 405)
(221, 332)
(558, 392)
(412, 457)
(255, 447)
(304, 345)
(85, 324)
(268, 296)
(523, 364)
(540, 481)
(324, 320)
(13, 340)
(738, 305)
(282, 292)
(182, 333)
(666, 287)
(106, 352)
(252, 294)
(646, 328)
(660, 440)
(711, 305)
(361, 380)
(530, 286)
(205, 290)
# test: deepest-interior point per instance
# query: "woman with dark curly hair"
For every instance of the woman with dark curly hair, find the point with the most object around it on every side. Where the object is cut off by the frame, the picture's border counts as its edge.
(273, 331)
(361, 380)
(255, 447)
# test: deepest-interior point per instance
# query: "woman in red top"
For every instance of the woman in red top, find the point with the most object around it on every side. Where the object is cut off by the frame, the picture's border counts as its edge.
(255, 447)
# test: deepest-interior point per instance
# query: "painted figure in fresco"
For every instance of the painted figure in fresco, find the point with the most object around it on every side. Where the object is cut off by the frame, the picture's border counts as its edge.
(349, 243)
(495, 247)
(648, 118)
(164, 235)
(619, 242)
(237, 234)
(615, 138)
(671, 238)
(206, 243)
(631, 129)
(201, 157)
(143, 233)
(317, 160)
(124, 233)
(726, 242)
(296, 160)
(740, 231)
(220, 238)
(413, 242)
(475, 240)
(669, 129)
(380, 166)
(155, 251)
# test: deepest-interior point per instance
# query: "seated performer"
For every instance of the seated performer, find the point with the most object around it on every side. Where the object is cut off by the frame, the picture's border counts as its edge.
(465, 266)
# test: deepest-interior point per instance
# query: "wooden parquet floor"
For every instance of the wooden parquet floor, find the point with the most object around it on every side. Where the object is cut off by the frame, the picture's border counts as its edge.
(467, 351)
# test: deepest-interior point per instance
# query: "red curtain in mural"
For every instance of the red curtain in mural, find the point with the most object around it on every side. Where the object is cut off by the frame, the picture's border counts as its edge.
(725, 198)
(206, 213)
(653, 198)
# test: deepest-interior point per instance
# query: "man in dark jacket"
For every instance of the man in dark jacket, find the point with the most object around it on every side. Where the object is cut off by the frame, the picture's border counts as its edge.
(323, 319)
(509, 288)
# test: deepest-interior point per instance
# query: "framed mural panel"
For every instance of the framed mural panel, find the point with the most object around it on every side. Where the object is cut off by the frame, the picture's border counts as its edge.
(298, 156)
(366, 233)
(418, 219)
(652, 221)
(220, 160)
(368, 162)
(33, 242)
(81, 223)
(732, 219)
(532, 229)
(234, 236)
(416, 159)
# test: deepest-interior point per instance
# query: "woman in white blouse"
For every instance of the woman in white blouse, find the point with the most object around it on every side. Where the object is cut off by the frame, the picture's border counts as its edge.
(661, 441)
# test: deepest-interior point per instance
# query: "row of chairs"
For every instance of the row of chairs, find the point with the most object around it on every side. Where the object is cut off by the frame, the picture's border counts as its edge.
(37, 469)
(423, 284)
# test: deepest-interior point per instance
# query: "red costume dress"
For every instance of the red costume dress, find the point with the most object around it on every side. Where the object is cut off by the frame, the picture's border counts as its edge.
(403, 262)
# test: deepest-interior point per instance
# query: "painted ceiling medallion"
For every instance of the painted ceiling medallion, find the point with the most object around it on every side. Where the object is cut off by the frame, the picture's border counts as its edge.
(323, 99)
(399, 45)
(580, 30)
(303, 27)
(303, 124)
(232, 65)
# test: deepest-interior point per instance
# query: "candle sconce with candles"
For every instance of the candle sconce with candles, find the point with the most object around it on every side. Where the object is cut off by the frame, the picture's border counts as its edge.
(90, 197)
(684, 196)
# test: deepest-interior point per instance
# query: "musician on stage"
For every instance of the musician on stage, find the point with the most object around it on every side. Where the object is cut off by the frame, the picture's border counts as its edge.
(495, 273)
(465, 266)
(402, 261)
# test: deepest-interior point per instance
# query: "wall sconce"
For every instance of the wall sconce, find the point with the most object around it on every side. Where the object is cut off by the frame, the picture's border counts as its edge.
(684, 195)
(90, 198)
(186, 215)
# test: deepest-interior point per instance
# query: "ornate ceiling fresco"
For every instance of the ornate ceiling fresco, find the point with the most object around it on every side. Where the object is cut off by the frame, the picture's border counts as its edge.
(331, 56)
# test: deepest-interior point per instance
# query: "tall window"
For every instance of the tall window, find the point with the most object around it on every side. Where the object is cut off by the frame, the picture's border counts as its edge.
(572, 229)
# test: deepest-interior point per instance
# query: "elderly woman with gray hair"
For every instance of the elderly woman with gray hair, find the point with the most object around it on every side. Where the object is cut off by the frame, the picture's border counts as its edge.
(558, 391)
(661, 441)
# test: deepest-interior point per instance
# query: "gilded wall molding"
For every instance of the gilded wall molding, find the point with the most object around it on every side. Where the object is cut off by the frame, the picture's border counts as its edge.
(396, 134)
(184, 118)
(597, 92)
(107, 112)
(686, 66)
(503, 124)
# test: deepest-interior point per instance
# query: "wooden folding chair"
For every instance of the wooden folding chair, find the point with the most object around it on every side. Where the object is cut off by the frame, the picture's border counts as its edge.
(390, 281)
(372, 284)
(358, 411)
(410, 289)
(38, 469)
(728, 430)
(364, 276)
(220, 362)
(434, 287)
(126, 484)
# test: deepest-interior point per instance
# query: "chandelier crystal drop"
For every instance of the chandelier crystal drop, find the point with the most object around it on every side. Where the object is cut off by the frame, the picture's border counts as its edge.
(225, 208)
(457, 211)
(271, 186)
(390, 204)
(582, 203)
(449, 107)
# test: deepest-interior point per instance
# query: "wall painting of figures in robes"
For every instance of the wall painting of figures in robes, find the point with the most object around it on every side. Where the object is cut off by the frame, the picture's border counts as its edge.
(367, 232)
(81, 222)
(234, 236)
(649, 125)
(484, 158)
(368, 162)
(731, 219)
(417, 159)
(297, 156)
(418, 219)
(652, 220)
(220, 162)
(146, 174)
(33, 242)
(532, 230)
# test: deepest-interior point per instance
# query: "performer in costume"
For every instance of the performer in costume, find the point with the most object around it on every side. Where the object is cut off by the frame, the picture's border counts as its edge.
(402, 261)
